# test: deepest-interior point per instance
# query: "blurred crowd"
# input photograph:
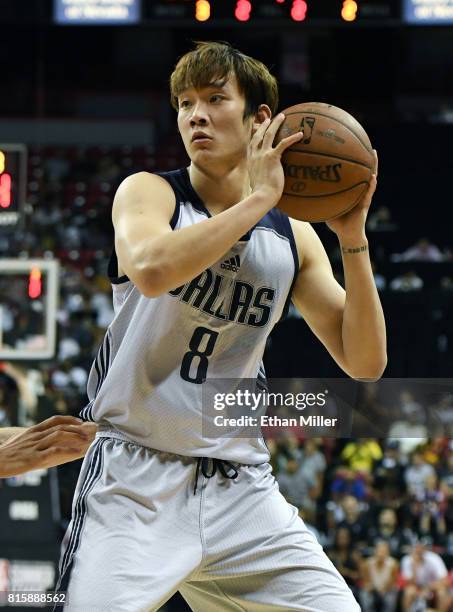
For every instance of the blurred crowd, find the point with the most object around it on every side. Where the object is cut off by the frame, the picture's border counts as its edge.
(383, 509)
(383, 513)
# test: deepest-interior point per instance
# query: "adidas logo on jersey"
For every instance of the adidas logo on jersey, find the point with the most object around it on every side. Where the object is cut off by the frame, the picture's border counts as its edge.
(233, 264)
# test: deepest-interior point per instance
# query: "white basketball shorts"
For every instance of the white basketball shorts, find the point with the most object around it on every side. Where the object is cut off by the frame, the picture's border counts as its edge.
(139, 533)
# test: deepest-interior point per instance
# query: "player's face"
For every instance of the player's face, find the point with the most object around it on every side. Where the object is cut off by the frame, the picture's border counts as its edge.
(211, 123)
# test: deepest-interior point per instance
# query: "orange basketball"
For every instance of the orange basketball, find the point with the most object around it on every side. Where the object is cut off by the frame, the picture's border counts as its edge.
(329, 170)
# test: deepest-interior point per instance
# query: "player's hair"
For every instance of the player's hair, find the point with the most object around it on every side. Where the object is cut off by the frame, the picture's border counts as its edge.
(210, 62)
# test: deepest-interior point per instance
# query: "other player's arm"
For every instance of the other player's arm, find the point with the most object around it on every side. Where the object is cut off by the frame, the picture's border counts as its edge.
(350, 323)
(8, 432)
(158, 259)
(54, 441)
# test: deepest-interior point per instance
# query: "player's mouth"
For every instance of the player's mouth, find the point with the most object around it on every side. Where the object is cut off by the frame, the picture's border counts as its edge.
(200, 137)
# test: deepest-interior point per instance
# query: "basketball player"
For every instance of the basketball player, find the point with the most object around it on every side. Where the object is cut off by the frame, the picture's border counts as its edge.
(54, 441)
(204, 266)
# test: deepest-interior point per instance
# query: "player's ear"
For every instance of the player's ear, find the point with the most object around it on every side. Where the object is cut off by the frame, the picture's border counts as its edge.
(261, 115)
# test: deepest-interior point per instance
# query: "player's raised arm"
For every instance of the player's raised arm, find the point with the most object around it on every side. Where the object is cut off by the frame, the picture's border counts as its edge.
(350, 323)
(57, 440)
(158, 259)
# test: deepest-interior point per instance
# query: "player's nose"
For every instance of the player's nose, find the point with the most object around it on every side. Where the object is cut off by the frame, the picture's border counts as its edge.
(199, 116)
(198, 120)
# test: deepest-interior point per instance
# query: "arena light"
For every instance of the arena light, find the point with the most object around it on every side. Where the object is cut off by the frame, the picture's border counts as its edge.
(349, 10)
(13, 181)
(202, 10)
(243, 10)
(298, 10)
(34, 283)
(5, 190)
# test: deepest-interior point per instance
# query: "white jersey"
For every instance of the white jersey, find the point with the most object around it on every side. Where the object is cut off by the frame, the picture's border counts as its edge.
(146, 381)
(431, 568)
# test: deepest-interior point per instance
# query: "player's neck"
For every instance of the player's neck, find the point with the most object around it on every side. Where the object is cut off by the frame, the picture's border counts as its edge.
(220, 189)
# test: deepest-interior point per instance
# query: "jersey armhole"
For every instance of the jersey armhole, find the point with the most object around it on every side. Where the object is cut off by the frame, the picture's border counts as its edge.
(292, 241)
(170, 178)
(112, 270)
(175, 216)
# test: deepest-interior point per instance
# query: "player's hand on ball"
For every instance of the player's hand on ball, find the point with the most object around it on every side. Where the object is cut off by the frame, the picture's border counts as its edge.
(57, 440)
(351, 225)
(265, 167)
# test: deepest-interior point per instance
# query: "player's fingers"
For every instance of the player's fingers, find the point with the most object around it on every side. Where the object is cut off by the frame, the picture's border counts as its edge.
(90, 429)
(79, 430)
(371, 187)
(61, 437)
(258, 135)
(58, 455)
(56, 420)
(376, 163)
(274, 126)
(62, 451)
(288, 141)
(32, 438)
(366, 201)
(35, 458)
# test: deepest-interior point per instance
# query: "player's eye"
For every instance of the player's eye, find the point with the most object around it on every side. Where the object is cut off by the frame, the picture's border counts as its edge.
(215, 98)
(184, 103)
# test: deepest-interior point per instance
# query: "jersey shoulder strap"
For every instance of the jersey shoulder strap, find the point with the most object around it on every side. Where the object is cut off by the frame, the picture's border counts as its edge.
(185, 194)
